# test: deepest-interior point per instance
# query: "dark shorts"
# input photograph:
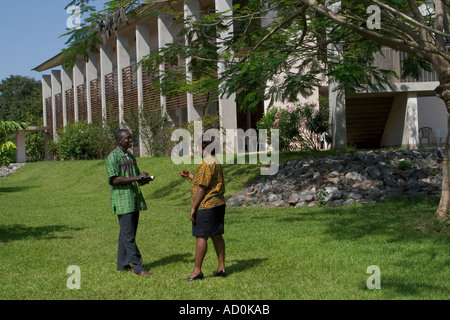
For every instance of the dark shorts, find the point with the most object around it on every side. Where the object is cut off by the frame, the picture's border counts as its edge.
(209, 222)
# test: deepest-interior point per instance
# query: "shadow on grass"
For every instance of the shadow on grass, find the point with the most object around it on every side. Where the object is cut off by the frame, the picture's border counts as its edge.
(18, 232)
(408, 287)
(174, 258)
(399, 219)
(175, 190)
(242, 265)
(16, 189)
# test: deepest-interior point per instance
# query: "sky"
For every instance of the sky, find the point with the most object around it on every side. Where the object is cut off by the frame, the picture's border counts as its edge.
(29, 34)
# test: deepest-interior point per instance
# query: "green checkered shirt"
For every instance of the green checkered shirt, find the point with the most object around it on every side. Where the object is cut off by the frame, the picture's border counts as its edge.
(124, 198)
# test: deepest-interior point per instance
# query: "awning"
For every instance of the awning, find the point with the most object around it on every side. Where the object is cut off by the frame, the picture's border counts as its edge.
(54, 62)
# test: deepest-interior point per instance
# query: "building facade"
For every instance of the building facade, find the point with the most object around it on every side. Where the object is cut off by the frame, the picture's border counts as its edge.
(111, 86)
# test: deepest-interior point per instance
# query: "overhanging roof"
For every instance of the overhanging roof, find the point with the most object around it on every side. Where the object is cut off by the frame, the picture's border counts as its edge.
(54, 62)
(58, 60)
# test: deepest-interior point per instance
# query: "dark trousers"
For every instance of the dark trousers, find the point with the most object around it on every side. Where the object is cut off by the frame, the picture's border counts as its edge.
(128, 251)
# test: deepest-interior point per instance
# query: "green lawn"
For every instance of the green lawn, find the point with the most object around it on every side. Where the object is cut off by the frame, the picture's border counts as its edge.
(57, 214)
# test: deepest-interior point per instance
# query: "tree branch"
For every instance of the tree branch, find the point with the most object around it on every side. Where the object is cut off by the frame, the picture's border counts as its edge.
(283, 23)
(412, 48)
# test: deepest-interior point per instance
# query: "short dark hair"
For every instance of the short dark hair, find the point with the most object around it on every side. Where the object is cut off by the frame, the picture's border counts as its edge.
(206, 141)
(119, 133)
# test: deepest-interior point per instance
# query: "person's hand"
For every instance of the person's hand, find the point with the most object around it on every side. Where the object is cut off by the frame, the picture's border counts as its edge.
(192, 214)
(185, 174)
(144, 179)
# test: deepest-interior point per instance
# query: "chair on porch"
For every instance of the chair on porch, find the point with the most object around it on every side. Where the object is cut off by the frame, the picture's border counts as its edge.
(425, 136)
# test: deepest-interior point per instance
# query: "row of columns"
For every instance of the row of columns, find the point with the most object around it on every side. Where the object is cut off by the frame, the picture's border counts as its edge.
(107, 61)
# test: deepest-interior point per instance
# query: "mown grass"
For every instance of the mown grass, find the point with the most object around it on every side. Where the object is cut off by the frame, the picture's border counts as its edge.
(57, 214)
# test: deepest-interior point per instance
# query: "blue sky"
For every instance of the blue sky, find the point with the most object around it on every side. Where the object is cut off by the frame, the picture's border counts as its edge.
(29, 31)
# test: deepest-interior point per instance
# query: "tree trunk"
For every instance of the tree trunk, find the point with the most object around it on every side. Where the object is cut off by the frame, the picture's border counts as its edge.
(442, 213)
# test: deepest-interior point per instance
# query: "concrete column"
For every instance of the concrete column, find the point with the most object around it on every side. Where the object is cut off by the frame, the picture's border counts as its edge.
(338, 123)
(410, 138)
(21, 155)
(67, 84)
(46, 93)
(338, 117)
(91, 74)
(56, 89)
(123, 60)
(142, 49)
(78, 79)
(227, 105)
(192, 13)
(165, 31)
(106, 67)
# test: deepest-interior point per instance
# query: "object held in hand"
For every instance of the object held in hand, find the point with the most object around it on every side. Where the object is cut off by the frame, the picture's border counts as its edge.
(146, 179)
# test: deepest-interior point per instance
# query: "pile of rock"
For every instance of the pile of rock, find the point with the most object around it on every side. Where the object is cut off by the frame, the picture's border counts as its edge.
(364, 177)
(13, 167)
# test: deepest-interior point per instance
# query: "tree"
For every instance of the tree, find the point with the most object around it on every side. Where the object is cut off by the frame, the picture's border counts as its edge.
(20, 99)
(294, 42)
(418, 28)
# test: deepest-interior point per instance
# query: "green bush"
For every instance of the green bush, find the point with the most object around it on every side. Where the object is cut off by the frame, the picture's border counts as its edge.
(155, 131)
(7, 147)
(35, 149)
(81, 141)
(287, 121)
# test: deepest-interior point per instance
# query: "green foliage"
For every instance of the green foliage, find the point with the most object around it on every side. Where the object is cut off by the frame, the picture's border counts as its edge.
(8, 127)
(81, 141)
(302, 124)
(20, 99)
(35, 146)
(155, 131)
(34, 141)
(405, 165)
(7, 153)
(412, 67)
(8, 148)
(287, 121)
(321, 195)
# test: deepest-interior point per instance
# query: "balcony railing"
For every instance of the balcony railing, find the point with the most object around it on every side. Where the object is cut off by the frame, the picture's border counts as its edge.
(393, 60)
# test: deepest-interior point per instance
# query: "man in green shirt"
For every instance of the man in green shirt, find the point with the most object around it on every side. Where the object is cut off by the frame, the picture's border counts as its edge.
(125, 179)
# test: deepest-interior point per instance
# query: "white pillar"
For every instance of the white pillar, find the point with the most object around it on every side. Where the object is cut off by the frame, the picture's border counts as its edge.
(46, 93)
(78, 79)
(227, 105)
(411, 125)
(21, 154)
(142, 49)
(338, 122)
(67, 84)
(165, 30)
(106, 67)
(56, 89)
(192, 13)
(91, 74)
(338, 117)
(123, 60)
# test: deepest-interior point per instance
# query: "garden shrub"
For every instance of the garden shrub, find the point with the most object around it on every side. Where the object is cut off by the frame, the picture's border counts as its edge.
(81, 141)
(299, 127)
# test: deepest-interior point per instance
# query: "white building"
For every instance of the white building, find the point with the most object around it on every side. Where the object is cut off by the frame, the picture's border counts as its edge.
(107, 87)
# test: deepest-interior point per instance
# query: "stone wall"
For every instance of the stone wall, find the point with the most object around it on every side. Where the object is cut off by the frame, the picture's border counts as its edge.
(363, 177)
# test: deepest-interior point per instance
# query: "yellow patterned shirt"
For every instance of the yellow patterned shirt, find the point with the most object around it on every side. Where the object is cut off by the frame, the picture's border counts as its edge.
(209, 174)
